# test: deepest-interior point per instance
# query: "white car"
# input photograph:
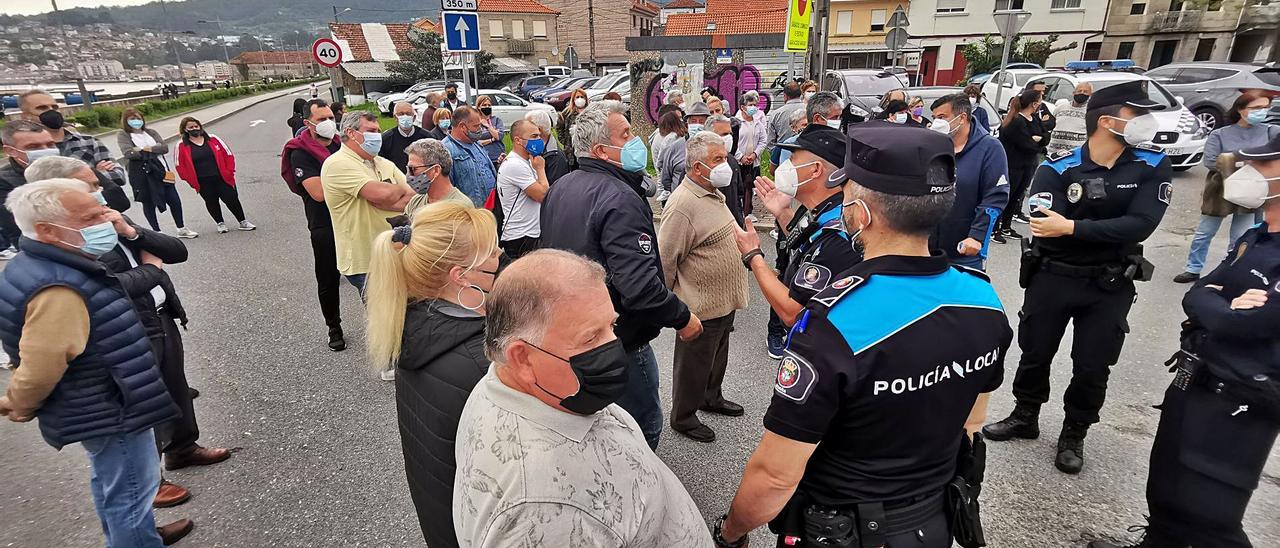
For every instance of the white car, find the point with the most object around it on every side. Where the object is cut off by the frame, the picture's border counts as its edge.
(1012, 81)
(618, 82)
(506, 106)
(388, 101)
(1180, 135)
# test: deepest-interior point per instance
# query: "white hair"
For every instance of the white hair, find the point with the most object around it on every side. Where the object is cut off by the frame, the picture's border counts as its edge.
(41, 202)
(539, 118)
(673, 95)
(591, 127)
(698, 148)
(405, 103)
(55, 167)
(750, 96)
(351, 121)
(718, 119)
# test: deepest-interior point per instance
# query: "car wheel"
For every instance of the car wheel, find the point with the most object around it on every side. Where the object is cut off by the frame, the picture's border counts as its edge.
(1182, 168)
(1209, 118)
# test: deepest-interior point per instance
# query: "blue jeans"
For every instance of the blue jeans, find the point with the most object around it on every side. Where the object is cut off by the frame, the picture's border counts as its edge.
(357, 281)
(641, 397)
(124, 480)
(1207, 229)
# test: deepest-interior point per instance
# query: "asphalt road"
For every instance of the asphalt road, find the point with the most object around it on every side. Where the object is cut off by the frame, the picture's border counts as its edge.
(318, 459)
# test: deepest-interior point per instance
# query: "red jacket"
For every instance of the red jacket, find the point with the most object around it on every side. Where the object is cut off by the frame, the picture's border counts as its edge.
(221, 153)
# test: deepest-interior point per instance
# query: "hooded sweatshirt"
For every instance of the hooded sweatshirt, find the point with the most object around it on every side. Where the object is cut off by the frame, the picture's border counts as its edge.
(982, 192)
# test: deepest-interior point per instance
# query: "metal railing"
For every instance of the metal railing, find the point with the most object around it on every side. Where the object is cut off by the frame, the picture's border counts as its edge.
(1165, 21)
(520, 47)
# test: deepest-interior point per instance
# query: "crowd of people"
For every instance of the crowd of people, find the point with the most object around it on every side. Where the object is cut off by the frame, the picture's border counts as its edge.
(514, 280)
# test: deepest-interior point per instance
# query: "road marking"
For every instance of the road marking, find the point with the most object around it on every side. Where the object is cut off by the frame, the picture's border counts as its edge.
(256, 122)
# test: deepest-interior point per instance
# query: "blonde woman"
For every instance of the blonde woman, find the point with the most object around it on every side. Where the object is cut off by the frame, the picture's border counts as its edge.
(443, 265)
(577, 101)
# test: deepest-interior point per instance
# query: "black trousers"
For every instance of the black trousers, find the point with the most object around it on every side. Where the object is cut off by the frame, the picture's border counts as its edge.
(699, 367)
(776, 327)
(935, 533)
(519, 247)
(328, 279)
(1099, 316)
(169, 196)
(1019, 181)
(180, 434)
(1205, 464)
(747, 192)
(213, 190)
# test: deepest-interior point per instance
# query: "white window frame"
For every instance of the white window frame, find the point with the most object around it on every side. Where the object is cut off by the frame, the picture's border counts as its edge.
(883, 16)
(951, 6)
(537, 24)
(496, 24)
(1066, 4)
(844, 22)
(517, 29)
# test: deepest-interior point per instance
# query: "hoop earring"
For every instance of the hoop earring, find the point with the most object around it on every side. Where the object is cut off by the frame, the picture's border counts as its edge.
(478, 290)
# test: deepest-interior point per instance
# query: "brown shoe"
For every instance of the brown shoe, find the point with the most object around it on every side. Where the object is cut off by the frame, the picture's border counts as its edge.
(174, 532)
(171, 495)
(200, 456)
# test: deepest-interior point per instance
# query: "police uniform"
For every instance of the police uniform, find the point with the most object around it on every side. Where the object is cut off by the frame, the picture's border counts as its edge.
(1220, 416)
(883, 368)
(1086, 278)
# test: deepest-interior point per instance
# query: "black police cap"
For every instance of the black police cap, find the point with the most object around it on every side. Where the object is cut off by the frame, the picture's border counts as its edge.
(1130, 94)
(895, 159)
(825, 142)
(1269, 151)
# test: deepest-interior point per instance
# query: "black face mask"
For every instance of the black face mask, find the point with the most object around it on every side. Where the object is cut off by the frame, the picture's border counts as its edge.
(452, 95)
(602, 377)
(195, 133)
(52, 119)
(1080, 98)
(486, 110)
(504, 261)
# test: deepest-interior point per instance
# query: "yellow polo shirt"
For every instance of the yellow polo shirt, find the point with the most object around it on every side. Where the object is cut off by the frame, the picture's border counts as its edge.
(356, 221)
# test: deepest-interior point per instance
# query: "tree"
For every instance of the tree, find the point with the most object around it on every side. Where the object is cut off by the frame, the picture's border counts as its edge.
(489, 78)
(983, 55)
(422, 62)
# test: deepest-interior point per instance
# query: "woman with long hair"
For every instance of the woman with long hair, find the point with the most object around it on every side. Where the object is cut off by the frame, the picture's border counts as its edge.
(426, 303)
(670, 161)
(149, 173)
(207, 164)
(296, 121)
(492, 128)
(1020, 135)
(577, 101)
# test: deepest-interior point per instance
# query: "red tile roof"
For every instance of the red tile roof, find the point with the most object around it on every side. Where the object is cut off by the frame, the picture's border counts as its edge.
(426, 25)
(272, 58)
(736, 6)
(750, 22)
(513, 6)
(645, 7)
(353, 33)
(683, 4)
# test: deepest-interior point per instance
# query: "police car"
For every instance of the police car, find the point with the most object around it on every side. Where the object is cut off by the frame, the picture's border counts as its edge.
(1181, 134)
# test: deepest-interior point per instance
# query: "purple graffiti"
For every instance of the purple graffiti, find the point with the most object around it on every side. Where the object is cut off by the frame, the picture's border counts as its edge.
(728, 82)
(654, 97)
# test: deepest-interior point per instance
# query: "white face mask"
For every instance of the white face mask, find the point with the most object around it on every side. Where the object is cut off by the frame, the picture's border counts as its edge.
(833, 124)
(1139, 129)
(1247, 188)
(942, 126)
(728, 141)
(327, 129)
(787, 180)
(900, 118)
(580, 102)
(845, 217)
(808, 95)
(721, 175)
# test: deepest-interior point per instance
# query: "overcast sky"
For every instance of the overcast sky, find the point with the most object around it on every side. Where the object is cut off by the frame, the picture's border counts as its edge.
(29, 7)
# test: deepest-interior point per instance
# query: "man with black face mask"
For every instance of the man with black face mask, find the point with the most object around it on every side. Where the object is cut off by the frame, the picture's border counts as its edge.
(560, 444)
(38, 106)
(451, 100)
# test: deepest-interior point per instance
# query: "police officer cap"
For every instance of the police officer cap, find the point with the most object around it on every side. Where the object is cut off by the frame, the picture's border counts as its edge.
(1130, 94)
(1269, 151)
(824, 142)
(895, 159)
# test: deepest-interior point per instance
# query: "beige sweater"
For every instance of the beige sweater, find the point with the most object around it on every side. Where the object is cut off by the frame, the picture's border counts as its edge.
(700, 260)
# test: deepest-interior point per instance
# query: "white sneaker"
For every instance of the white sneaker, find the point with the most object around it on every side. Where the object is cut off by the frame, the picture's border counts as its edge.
(246, 225)
(222, 228)
(187, 233)
(663, 195)
(388, 375)
(7, 254)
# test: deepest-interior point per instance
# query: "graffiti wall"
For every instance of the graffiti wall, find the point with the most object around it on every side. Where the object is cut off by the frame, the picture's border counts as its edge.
(657, 75)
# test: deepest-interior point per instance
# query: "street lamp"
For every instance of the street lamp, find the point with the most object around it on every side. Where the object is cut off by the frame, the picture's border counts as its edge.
(336, 13)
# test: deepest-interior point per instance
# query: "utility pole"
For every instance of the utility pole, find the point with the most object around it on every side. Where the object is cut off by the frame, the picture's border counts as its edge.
(225, 56)
(591, 30)
(85, 100)
(176, 54)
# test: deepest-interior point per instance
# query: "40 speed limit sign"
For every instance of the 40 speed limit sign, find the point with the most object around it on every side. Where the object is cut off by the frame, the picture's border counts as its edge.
(327, 52)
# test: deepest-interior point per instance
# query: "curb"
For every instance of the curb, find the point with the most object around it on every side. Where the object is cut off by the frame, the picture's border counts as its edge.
(260, 99)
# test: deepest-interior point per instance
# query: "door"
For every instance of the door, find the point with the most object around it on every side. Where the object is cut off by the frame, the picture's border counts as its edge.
(508, 108)
(1162, 52)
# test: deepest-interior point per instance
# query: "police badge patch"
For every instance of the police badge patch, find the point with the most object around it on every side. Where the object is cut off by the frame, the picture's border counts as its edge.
(796, 378)
(1040, 200)
(646, 243)
(1075, 192)
(1166, 192)
(812, 276)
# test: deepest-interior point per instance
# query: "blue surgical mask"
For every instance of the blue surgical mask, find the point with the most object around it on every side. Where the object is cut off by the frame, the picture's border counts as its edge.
(98, 239)
(372, 143)
(694, 129)
(99, 197)
(635, 156)
(1255, 117)
(135, 123)
(752, 110)
(405, 121)
(33, 155)
(445, 123)
(535, 147)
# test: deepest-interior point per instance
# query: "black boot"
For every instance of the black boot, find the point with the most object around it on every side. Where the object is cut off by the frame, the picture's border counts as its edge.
(1024, 423)
(1150, 539)
(336, 342)
(1071, 447)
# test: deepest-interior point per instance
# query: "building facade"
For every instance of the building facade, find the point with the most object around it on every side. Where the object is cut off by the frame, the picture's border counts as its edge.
(213, 70)
(680, 6)
(521, 30)
(612, 25)
(1159, 32)
(256, 65)
(857, 30)
(100, 69)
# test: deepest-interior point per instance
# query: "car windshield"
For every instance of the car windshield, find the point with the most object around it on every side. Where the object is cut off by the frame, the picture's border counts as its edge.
(581, 83)
(871, 83)
(560, 82)
(607, 82)
(1155, 91)
(1268, 76)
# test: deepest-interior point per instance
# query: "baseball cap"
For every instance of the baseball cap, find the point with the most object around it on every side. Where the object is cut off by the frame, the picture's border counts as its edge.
(895, 159)
(1131, 94)
(827, 143)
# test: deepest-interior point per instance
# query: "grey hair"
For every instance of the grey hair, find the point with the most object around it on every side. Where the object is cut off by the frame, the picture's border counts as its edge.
(592, 126)
(797, 116)
(54, 167)
(432, 153)
(698, 148)
(910, 215)
(22, 97)
(523, 299)
(14, 127)
(751, 96)
(351, 120)
(824, 102)
(673, 95)
(539, 118)
(41, 202)
(405, 103)
(717, 119)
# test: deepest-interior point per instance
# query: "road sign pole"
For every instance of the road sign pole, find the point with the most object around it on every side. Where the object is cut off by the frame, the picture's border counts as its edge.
(1009, 23)
(1004, 62)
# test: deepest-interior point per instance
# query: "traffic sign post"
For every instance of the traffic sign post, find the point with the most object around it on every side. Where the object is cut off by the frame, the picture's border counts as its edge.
(1009, 23)
(799, 17)
(897, 35)
(458, 5)
(327, 52)
(461, 30)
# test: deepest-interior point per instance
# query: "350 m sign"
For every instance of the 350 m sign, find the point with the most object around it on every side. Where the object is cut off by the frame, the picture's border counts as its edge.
(327, 52)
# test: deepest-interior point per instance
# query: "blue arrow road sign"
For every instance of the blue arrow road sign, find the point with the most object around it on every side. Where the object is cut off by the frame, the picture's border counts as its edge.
(461, 31)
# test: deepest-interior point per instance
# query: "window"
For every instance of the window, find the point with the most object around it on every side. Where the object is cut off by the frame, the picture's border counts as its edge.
(1195, 75)
(1004, 5)
(495, 29)
(1137, 8)
(951, 6)
(877, 20)
(1204, 50)
(1125, 51)
(1064, 4)
(517, 29)
(844, 22)
(1176, 5)
(539, 29)
(1164, 75)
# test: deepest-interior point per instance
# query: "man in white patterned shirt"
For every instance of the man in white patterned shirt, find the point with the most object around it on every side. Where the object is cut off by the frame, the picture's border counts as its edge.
(545, 458)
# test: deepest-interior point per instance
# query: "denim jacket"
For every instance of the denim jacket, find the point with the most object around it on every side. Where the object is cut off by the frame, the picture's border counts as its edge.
(472, 170)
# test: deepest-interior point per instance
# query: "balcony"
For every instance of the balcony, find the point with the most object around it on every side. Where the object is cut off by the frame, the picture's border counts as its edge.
(1175, 21)
(519, 47)
(1260, 16)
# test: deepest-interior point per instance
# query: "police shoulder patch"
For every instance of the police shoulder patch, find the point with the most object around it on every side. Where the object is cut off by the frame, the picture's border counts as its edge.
(297, 172)
(796, 377)
(646, 243)
(1149, 147)
(1165, 192)
(837, 290)
(1040, 200)
(812, 276)
(1059, 155)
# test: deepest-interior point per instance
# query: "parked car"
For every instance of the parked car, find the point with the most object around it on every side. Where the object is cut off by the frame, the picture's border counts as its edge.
(862, 87)
(557, 70)
(609, 82)
(1208, 89)
(1270, 75)
(388, 101)
(929, 94)
(1180, 133)
(1010, 82)
(558, 85)
(558, 98)
(533, 83)
(506, 106)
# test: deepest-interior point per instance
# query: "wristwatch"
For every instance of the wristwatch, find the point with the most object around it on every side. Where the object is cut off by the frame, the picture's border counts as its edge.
(715, 533)
(746, 257)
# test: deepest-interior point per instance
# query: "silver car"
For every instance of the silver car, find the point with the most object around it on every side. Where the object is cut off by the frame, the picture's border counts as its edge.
(1208, 89)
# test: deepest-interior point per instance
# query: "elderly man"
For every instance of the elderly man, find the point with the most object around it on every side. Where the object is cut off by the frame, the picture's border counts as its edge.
(675, 97)
(361, 190)
(428, 175)
(557, 163)
(543, 452)
(597, 211)
(428, 121)
(84, 366)
(779, 121)
(722, 126)
(522, 185)
(396, 139)
(700, 264)
(982, 183)
(473, 173)
(24, 142)
(38, 106)
(1069, 130)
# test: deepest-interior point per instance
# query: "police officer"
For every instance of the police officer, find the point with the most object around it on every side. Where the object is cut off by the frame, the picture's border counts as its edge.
(881, 370)
(817, 246)
(1092, 207)
(1221, 414)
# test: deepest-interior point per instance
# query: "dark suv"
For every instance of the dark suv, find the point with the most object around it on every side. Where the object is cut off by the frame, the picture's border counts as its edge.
(1208, 89)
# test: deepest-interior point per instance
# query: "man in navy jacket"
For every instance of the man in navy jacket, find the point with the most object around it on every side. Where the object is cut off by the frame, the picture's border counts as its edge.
(982, 184)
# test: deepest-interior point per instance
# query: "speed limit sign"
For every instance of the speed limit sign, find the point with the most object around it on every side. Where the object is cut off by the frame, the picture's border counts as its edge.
(327, 52)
